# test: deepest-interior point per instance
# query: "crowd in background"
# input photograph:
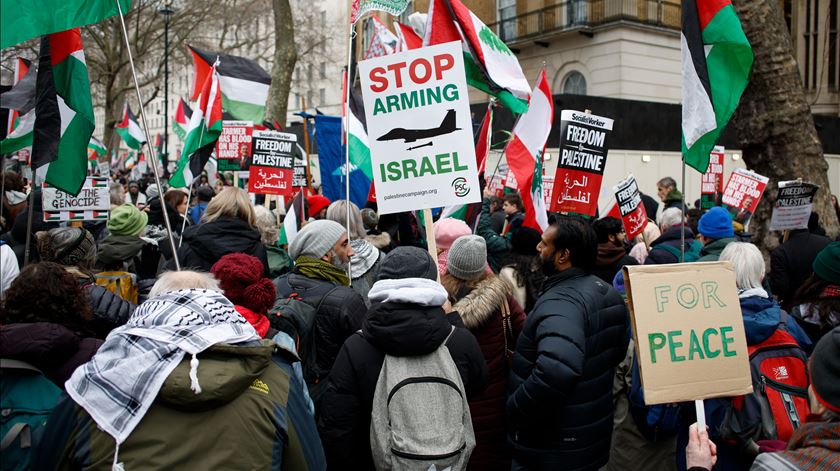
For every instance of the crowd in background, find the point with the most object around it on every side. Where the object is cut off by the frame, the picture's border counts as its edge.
(257, 355)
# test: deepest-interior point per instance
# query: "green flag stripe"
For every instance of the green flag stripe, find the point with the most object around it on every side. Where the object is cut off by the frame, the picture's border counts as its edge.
(12, 144)
(243, 110)
(360, 156)
(20, 21)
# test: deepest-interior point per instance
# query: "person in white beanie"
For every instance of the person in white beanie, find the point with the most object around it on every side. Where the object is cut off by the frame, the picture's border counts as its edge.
(322, 253)
(488, 309)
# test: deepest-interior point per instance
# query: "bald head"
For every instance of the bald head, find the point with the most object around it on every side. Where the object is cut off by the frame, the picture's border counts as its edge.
(186, 279)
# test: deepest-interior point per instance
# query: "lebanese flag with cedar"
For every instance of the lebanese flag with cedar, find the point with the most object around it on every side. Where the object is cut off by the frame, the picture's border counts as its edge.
(525, 151)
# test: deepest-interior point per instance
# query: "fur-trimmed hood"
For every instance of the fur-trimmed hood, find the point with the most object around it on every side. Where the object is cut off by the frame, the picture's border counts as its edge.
(477, 307)
(380, 241)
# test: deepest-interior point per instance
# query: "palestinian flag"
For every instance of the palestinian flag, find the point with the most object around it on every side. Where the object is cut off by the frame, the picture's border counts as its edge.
(294, 218)
(525, 151)
(20, 101)
(20, 21)
(490, 65)
(408, 39)
(716, 64)
(21, 69)
(244, 83)
(95, 149)
(357, 136)
(129, 129)
(63, 113)
(182, 117)
(465, 212)
(202, 133)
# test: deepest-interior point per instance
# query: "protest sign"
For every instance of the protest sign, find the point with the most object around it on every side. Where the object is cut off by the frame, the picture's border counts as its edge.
(420, 129)
(548, 188)
(688, 331)
(271, 164)
(233, 149)
(583, 155)
(299, 174)
(742, 193)
(793, 206)
(629, 201)
(104, 168)
(711, 183)
(91, 204)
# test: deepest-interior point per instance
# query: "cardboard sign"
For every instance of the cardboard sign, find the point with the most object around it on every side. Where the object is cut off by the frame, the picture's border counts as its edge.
(420, 129)
(711, 183)
(91, 204)
(583, 156)
(688, 331)
(742, 194)
(233, 149)
(793, 206)
(629, 201)
(272, 165)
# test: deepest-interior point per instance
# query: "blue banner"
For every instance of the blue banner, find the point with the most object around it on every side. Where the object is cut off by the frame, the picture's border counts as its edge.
(331, 160)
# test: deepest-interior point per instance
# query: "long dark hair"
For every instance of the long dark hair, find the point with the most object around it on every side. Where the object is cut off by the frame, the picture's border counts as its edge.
(526, 269)
(811, 292)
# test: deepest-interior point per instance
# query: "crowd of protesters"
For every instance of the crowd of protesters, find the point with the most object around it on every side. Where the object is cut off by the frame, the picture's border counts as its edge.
(353, 347)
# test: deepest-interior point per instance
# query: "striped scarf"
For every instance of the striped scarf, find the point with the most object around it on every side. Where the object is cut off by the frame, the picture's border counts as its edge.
(813, 447)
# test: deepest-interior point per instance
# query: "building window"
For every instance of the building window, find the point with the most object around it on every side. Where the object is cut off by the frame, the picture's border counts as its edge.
(507, 19)
(574, 84)
(322, 70)
(322, 96)
(832, 45)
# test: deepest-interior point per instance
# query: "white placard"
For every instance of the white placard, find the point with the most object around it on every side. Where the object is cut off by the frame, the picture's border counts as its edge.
(420, 129)
(92, 203)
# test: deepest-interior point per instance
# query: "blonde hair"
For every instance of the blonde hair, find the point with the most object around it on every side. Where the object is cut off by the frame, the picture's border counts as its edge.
(231, 202)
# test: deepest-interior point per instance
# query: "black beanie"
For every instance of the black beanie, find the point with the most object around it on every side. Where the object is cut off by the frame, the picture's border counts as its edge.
(825, 370)
(407, 262)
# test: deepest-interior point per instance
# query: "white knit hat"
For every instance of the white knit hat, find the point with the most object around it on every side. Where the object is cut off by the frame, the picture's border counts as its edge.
(467, 257)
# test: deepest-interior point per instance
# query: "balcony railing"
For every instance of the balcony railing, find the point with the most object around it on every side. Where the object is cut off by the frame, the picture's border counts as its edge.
(583, 14)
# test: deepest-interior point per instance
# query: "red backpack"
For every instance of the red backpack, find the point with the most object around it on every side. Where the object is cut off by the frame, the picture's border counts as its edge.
(778, 404)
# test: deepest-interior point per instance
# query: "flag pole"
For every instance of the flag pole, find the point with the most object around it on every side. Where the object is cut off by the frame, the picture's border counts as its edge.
(152, 156)
(682, 230)
(350, 36)
(306, 142)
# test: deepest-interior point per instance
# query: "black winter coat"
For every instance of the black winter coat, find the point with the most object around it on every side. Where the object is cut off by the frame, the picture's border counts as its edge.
(560, 409)
(790, 263)
(109, 310)
(397, 329)
(205, 244)
(340, 314)
(54, 349)
(671, 237)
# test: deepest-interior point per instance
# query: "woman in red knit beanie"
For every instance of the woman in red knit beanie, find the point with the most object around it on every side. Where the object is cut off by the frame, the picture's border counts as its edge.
(241, 278)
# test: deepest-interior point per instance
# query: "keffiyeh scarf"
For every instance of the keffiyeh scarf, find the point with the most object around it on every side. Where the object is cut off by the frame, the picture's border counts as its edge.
(118, 385)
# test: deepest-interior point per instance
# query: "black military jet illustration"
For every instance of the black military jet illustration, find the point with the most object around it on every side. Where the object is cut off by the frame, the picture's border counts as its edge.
(410, 135)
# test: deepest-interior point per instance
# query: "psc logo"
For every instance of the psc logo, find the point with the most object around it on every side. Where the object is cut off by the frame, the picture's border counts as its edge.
(461, 187)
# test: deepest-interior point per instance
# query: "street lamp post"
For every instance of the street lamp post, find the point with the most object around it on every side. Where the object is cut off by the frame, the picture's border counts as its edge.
(166, 11)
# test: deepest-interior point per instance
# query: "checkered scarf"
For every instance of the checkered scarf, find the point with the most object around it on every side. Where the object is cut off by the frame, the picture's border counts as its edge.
(118, 385)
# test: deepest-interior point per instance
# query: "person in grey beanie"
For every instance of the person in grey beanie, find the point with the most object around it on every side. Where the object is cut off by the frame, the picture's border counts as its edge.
(322, 251)
(409, 316)
(489, 310)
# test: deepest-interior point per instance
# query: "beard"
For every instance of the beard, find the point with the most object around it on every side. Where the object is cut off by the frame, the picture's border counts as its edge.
(547, 266)
(337, 262)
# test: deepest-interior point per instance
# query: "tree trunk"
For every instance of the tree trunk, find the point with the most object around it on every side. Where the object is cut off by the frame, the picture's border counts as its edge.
(285, 56)
(774, 125)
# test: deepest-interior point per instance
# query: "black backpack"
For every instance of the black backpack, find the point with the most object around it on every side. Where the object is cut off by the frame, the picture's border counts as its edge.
(296, 317)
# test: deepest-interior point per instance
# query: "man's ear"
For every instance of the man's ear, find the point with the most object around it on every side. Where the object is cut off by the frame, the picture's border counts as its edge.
(561, 257)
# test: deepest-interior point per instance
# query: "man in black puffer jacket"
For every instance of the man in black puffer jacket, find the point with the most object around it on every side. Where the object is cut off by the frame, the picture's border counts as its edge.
(322, 251)
(407, 317)
(560, 407)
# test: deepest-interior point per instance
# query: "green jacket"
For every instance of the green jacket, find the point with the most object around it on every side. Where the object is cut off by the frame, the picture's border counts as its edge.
(251, 415)
(497, 246)
(279, 262)
(711, 251)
